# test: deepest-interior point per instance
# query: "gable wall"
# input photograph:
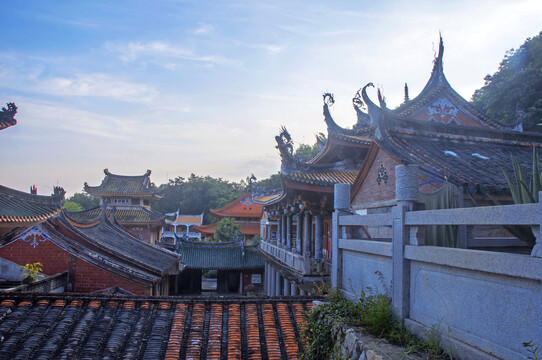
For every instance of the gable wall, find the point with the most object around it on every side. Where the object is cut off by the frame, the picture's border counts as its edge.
(447, 110)
(370, 191)
(53, 258)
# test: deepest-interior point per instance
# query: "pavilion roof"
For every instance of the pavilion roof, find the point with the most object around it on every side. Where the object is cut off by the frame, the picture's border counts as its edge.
(7, 116)
(122, 185)
(242, 207)
(124, 215)
(217, 257)
(463, 155)
(73, 325)
(440, 94)
(26, 209)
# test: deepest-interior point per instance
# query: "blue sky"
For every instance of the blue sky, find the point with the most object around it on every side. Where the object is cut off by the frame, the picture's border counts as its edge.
(203, 87)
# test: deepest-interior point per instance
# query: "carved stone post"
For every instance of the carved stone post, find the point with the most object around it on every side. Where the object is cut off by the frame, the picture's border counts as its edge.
(277, 283)
(318, 236)
(283, 235)
(341, 202)
(279, 229)
(537, 249)
(406, 192)
(299, 232)
(289, 231)
(307, 235)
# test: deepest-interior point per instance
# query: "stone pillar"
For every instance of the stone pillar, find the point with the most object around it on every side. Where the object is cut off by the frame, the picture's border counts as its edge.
(307, 234)
(284, 229)
(406, 193)
(286, 286)
(299, 232)
(289, 231)
(266, 279)
(277, 283)
(279, 229)
(341, 202)
(318, 236)
(272, 284)
(293, 289)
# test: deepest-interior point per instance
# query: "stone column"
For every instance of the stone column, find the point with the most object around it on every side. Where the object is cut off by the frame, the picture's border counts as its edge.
(341, 202)
(286, 286)
(293, 289)
(284, 228)
(266, 279)
(277, 283)
(318, 238)
(289, 231)
(279, 229)
(307, 234)
(406, 193)
(299, 232)
(272, 284)
(302, 292)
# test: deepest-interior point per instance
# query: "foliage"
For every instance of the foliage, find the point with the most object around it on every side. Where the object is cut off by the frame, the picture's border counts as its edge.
(72, 206)
(373, 312)
(306, 151)
(533, 350)
(86, 201)
(226, 229)
(271, 183)
(515, 91)
(32, 271)
(523, 193)
(197, 195)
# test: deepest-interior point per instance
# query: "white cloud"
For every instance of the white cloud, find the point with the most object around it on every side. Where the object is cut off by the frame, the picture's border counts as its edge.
(98, 84)
(165, 54)
(204, 29)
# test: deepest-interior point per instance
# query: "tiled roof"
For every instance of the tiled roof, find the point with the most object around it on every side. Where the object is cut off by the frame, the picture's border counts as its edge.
(242, 207)
(7, 116)
(216, 257)
(324, 178)
(438, 87)
(125, 216)
(72, 326)
(472, 156)
(122, 185)
(189, 219)
(112, 238)
(19, 207)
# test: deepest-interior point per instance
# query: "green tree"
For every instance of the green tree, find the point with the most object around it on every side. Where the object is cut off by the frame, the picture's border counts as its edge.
(514, 92)
(226, 230)
(197, 195)
(306, 151)
(271, 183)
(72, 206)
(86, 201)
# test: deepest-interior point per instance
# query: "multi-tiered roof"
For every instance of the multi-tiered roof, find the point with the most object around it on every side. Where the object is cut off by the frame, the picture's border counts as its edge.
(114, 185)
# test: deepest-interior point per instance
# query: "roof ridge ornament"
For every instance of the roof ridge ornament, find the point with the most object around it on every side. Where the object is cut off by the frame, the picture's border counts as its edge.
(10, 111)
(359, 106)
(106, 171)
(437, 62)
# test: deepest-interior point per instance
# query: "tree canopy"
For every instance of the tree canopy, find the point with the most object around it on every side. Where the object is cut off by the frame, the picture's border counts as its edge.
(306, 151)
(226, 230)
(85, 201)
(197, 195)
(514, 92)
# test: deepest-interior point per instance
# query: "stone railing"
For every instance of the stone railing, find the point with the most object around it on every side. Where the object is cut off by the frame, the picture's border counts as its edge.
(52, 284)
(474, 298)
(303, 265)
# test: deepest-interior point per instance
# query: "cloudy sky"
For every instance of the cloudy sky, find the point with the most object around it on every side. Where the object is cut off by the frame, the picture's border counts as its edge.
(202, 87)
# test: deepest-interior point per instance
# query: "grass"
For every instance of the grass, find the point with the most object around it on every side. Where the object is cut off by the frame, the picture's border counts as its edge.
(374, 314)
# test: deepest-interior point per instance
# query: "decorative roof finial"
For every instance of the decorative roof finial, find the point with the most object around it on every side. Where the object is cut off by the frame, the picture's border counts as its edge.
(328, 99)
(148, 173)
(407, 99)
(106, 171)
(59, 192)
(438, 60)
(381, 99)
(359, 106)
(34, 190)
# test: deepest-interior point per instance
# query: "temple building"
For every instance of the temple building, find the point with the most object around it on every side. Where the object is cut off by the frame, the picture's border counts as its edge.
(239, 267)
(178, 226)
(246, 213)
(300, 215)
(131, 197)
(97, 255)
